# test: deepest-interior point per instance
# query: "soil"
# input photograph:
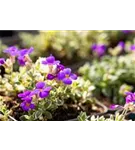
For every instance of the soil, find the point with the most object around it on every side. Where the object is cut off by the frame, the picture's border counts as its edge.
(72, 111)
(107, 102)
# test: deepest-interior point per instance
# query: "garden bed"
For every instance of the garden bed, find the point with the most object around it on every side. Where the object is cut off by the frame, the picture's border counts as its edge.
(79, 86)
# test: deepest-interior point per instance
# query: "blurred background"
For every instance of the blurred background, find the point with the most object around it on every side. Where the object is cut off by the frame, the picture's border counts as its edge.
(71, 47)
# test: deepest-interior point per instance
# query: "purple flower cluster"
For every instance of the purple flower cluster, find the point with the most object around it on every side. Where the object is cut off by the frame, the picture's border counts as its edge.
(63, 74)
(26, 97)
(22, 55)
(100, 49)
(41, 91)
(130, 98)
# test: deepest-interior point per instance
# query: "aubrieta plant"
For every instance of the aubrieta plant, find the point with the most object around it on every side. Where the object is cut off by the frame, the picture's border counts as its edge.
(120, 114)
(112, 76)
(38, 91)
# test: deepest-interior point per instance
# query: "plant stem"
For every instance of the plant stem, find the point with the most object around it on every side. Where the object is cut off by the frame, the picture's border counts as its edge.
(12, 118)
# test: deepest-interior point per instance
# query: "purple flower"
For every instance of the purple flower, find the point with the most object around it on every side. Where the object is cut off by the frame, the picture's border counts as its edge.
(50, 61)
(99, 49)
(121, 44)
(132, 47)
(12, 51)
(66, 76)
(27, 105)
(23, 55)
(130, 97)
(59, 68)
(41, 90)
(26, 95)
(2, 61)
(25, 52)
(127, 31)
(113, 106)
(22, 61)
(52, 76)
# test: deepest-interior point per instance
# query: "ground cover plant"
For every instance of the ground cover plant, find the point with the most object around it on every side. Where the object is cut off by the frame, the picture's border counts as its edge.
(112, 76)
(44, 90)
(44, 83)
(120, 114)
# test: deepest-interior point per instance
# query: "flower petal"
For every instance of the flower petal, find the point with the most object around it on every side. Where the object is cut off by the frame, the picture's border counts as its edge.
(94, 46)
(28, 99)
(32, 106)
(43, 94)
(67, 81)
(121, 44)
(13, 51)
(128, 93)
(44, 62)
(21, 61)
(61, 75)
(36, 91)
(24, 94)
(50, 59)
(21, 95)
(60, 67)
(23, 52)
(115, 106)
(73, 76)
(132, 47)
(67, 71)
(57, 62)
(50, 77)
(24, 107)
(47, 89)
(40, 85)
(129, 98)
(30, 50)
(2, 61)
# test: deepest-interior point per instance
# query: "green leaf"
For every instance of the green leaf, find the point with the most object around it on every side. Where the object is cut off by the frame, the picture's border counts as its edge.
(25, 117)
(47, 104)
(48, 115)
(60, 102)
(37, 114)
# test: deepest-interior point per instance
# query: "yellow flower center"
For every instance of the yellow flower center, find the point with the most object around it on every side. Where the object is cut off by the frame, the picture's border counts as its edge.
(41, 90)
(27, 104)
(67, 76)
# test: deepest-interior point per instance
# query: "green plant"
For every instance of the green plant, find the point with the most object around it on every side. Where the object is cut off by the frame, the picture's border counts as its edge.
(84, 117)
(111, 76)
(120, 114)
(37, 90)
(71, 45)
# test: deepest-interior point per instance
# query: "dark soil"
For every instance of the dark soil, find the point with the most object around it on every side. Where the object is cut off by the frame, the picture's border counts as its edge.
(72, 111)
